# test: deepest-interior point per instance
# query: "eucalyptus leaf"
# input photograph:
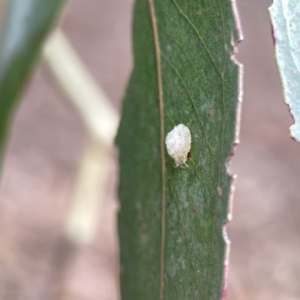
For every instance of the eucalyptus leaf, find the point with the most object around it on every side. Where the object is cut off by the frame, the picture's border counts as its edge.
(27, 23)
(171, 220)
(285, 16)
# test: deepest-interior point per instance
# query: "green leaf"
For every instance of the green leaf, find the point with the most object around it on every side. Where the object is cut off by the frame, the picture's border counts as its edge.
(172, 218)
(285, 17)
(27, 23)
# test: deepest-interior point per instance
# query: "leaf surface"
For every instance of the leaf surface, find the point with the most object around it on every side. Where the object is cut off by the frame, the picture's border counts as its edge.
(171, 219)
(27, 22)
(285, 17)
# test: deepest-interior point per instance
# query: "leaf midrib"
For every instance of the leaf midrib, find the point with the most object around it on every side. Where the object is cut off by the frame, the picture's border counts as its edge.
(162, 149)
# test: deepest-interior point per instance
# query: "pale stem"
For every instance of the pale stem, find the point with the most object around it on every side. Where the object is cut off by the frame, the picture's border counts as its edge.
(89, 192)
(101, 121)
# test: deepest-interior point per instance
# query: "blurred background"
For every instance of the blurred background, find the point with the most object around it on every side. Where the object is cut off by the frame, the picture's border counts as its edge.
(38, 179)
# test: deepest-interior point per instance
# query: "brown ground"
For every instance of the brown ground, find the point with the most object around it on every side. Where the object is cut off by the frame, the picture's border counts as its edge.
(38, 178)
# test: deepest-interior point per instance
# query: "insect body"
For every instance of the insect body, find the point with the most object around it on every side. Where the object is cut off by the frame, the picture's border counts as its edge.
(178, 142)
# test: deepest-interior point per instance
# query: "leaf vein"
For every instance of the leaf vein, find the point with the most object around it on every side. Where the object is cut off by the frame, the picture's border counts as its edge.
(190, 97)
(187, 56)
(199, 36)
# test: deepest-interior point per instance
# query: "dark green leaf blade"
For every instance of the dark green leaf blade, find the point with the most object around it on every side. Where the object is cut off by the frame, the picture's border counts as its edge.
(285, 17)
(27, 23)
(171, 219)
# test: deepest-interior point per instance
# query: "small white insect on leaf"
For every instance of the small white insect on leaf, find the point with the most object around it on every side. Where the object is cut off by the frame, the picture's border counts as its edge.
(178, 142)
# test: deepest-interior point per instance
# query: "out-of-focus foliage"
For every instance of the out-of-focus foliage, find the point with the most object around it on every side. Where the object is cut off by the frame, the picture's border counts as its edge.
(26, 24)
(285, 16)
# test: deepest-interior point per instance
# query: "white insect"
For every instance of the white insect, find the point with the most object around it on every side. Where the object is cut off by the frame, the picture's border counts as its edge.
(178, 142)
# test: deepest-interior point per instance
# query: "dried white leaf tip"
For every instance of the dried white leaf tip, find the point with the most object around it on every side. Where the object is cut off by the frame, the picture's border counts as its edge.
(178, 142)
